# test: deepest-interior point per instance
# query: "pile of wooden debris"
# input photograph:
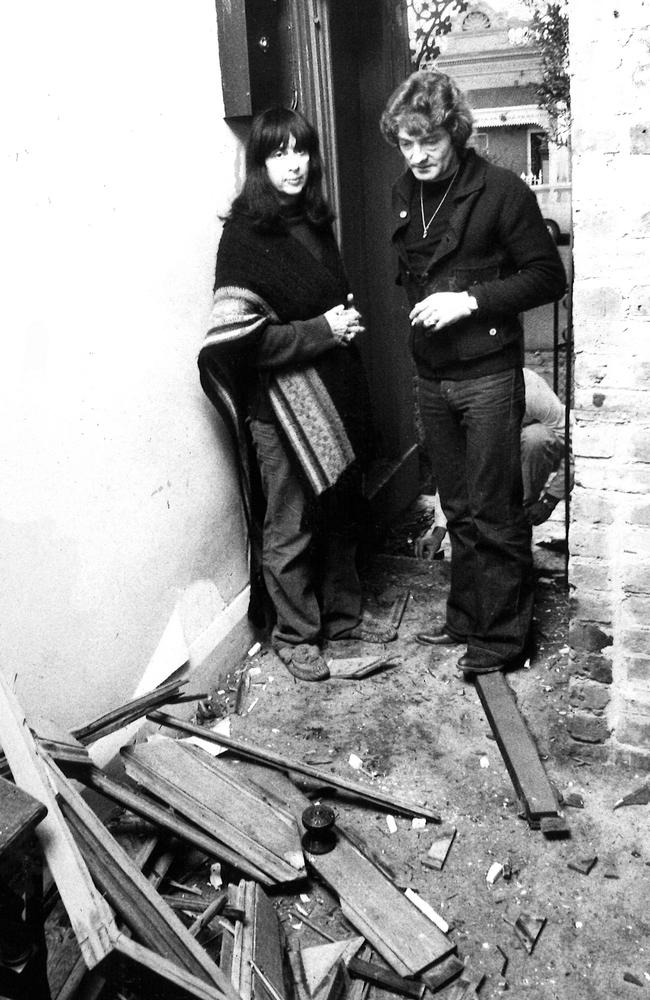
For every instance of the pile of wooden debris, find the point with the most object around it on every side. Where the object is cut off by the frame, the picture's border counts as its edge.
(244, 817)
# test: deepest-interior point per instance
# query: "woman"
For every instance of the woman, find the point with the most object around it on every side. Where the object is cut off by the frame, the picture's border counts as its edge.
(280, 365)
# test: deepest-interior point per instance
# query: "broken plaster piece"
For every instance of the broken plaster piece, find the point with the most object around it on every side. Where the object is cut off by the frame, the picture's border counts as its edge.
(428, 910)
(391, 824)
(495, 871)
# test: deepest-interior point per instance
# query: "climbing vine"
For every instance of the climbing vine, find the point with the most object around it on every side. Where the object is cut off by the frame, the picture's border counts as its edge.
(430, 19)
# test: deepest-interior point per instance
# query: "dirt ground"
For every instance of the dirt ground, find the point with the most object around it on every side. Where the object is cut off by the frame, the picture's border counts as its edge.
(420, 732)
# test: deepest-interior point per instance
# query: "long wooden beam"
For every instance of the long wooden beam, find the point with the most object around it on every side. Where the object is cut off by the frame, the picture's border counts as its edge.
(283, 763)
(131, 894)
(90, 916)
(520, 755)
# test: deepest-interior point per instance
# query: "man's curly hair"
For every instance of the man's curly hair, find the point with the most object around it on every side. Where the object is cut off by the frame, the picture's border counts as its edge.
(427, 100)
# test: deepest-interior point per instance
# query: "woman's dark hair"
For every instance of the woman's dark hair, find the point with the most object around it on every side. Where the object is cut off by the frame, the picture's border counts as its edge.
(424, 101)
(272, 130)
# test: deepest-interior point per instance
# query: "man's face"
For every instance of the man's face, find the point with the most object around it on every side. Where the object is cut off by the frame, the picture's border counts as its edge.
(430, 157)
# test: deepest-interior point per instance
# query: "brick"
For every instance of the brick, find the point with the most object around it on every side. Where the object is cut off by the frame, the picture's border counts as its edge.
(640, 443)
(587, 728)
(588, 637)
(611, 402)
(640, 139)
(637, 669)
(593, 665)
(638, 513)
(596, 300)
(594, 574)
(636, 541)
(589, 696)
(634, 728)
(586, 539)
(599, 474)
(634, 640)
(632, 758)
(595, 441)
(639, 301)
(593, 606)
(589, 507)
(635, 608)
(636, 576)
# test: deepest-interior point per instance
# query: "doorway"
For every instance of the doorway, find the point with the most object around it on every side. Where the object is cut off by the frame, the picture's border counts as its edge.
(342, 59)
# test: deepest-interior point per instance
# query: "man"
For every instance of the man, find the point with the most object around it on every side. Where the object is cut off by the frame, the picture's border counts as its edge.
(542, 465)
(542, 450)
(473, 253)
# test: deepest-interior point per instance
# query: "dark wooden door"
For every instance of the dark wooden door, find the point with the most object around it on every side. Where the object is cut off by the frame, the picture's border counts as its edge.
(342, 60)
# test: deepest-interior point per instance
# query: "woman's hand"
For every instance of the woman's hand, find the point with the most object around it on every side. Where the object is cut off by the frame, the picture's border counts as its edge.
(345, 321)
(441, 309)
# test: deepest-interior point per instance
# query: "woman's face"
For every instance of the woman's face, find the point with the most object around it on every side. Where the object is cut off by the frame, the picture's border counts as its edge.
(288, 169)
(431, 157)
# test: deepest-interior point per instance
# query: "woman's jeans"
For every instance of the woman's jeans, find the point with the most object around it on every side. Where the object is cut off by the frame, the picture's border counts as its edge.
(473, 431)
(308, 551)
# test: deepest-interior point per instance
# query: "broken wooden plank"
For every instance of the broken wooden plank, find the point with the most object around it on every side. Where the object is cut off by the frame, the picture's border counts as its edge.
(319, 960)
(385, 979)
(211, 797)
(437, 853)
(130, 893)
(517, 748)
(135, 709)
(255, 957)
(144, 806)
(90, 916)
(165, 969)
(20, 813)
(373, 904)
(283, 763)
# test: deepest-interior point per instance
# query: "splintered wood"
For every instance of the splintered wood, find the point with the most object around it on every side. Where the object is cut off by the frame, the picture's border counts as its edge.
(218, 801)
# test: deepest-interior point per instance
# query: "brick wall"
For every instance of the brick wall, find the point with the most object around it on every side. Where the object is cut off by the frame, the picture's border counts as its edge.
(610, 524)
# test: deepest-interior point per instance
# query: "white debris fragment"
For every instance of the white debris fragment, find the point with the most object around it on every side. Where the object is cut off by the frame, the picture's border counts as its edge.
(254, 671)
(428, 910)
(254, 649)
(355, 762)
(304, 896)
(495, 871)
(484, 761)
(222, 727)
(418, 823)
(391, 824)
(215, 876)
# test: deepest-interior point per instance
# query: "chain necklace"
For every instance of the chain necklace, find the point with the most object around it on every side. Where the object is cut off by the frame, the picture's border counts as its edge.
(427, 225)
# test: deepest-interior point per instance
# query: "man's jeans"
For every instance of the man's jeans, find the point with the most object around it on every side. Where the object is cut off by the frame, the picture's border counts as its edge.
(309, 551)
(472, 431)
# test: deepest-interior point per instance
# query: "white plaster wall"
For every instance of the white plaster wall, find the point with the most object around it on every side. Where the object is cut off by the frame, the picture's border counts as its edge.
(118, 501)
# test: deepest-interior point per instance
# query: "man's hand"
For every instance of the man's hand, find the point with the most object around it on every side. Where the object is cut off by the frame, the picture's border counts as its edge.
(541, 510)
(441, 309)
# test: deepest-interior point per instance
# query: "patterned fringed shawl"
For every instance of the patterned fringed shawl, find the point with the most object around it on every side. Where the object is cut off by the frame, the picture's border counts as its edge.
(322, 407)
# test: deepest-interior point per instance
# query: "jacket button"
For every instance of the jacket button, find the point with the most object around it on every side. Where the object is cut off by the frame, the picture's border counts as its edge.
(493, 332)
(403, 214)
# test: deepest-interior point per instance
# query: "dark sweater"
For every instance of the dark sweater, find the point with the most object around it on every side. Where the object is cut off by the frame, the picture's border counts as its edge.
(497, 248)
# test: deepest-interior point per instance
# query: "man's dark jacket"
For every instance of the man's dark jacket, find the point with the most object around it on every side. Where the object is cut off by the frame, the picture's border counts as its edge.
(496, 247)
